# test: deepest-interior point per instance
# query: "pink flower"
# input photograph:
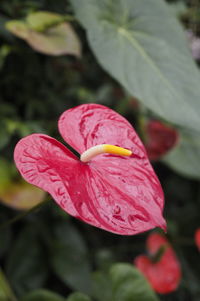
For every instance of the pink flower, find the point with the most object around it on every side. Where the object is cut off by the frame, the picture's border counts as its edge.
(197, 238)
(164, 275)
(160, 139)
(117, 190)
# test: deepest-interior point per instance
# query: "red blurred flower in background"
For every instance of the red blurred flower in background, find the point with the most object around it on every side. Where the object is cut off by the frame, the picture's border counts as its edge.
(160, 139)
(120, 194)
(161, 268)
(197, 238)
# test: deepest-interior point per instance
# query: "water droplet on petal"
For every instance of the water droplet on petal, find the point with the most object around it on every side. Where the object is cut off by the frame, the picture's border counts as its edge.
(117, 209)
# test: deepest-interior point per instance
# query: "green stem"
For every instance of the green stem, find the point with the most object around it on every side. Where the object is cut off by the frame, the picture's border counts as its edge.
(20, 216)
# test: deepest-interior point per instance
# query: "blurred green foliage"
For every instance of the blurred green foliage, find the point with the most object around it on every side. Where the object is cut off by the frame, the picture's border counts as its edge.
(47, 255)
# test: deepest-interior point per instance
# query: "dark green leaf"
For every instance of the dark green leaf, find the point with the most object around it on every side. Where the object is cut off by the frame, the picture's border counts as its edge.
(5, 236)
(4, 135)
(129, 284)
(141, 44)
(3, 32)
(4, 52)
(78, 297)
(102, 286)
(104, 259)
(25, 267)
(42, 295)
(70, 258)
(123, 283)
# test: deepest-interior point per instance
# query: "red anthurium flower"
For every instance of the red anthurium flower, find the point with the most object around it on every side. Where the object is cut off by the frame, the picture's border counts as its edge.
(160, 139)
(112, 186)
(197, 238)
(162, 268)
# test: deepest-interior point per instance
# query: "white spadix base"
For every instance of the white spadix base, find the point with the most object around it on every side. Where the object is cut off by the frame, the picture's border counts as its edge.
(104, 148)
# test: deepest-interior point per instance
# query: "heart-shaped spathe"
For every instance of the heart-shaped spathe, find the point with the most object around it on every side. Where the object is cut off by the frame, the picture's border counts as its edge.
(118, 194)
(164, 275)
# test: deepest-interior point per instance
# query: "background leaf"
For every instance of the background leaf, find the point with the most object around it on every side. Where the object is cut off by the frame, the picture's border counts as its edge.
(36, 89)
(24, 268)
(18, 28)
(141, 45)
(129, 284)
(58, 40)
(78, 297)
(47, 33)
(102, 286)
(70, 257)
(6, 293)
(5, 236)
(39, 20)
(184, 157)
(14, 191)
(42, 295)
(123, 283)
(21, 195)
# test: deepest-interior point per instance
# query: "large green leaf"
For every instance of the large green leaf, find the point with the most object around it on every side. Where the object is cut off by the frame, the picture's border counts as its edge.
(69, 257)
(129, 284)
(141, 44)
(185, 156)
(123, 283)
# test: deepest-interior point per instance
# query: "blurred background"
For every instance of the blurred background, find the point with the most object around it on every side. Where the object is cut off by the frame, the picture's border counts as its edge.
(46, 248)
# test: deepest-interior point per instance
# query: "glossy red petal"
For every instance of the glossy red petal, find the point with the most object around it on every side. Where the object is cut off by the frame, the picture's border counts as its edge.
(197, 238)
(130, 183)
(46, 163)
(80, 189)
(129, 195)
(118, 194)
(164, 275)
(91, 124)
(160, 139)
